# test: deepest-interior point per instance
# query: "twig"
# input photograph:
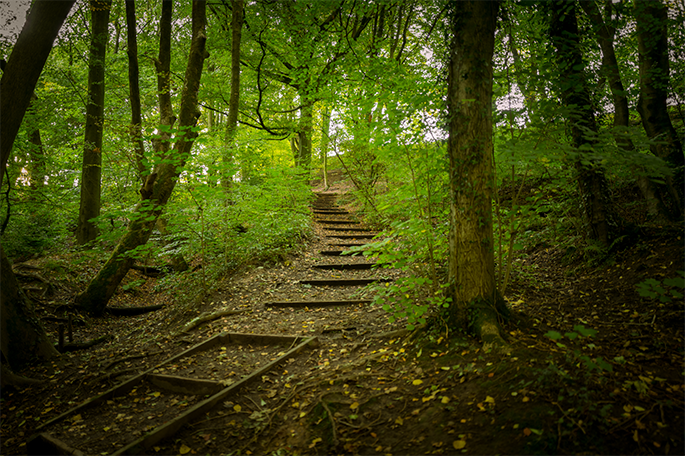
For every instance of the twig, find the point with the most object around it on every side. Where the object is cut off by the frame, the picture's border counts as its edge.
(330, 418)
(117, 361)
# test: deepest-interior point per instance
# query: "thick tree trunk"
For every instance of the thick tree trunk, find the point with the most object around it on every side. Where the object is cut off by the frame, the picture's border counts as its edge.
(159, 184)
(652, 40)
(24, 67)
(654, 194)
(594, 191)
(134, 89)
(91, 171)
(234, 100)
(21, 335)
(475, 301)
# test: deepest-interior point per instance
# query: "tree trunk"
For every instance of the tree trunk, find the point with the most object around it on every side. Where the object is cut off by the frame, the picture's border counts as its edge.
(159, 184)
(594, 191)
(475, 301)
(234, 100)
(304, 135)
(652, 40)
(21, 335)
(161, 145)
(653, 193)
(91, 171)
(325, 141)
(134, 89)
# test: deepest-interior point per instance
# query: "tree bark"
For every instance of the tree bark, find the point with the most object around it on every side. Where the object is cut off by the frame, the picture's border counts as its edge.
(161, 145)
(91, 171)
(234, 100)
(159, 184)
(652, 40)
(325, 141)
(475, 301)
(21, 335)
(575, 95)
(134, 89)
(303, 158)
(653, 193)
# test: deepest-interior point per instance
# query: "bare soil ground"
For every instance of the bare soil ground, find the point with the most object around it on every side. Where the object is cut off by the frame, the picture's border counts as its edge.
(371, 387)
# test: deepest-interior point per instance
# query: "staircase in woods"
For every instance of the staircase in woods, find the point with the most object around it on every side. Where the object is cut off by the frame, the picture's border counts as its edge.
(157, 404)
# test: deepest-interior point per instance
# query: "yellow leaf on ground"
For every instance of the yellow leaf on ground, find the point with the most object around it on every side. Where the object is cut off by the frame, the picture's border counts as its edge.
(399, 421)
(417, 382)
(184, 449)
(459, 444)
(354, 405)
(445, 399)
(237, 407)
(490, 399)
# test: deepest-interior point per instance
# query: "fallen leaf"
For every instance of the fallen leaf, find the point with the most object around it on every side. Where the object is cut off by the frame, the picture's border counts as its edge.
(490, 399)
(459, 444)
(526, 432)
(184, 449)
(237, 407)
(417, 382)
(399, 421)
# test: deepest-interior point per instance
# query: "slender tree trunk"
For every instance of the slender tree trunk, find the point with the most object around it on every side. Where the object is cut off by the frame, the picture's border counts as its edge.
(653, 193)
(594, 191)
(304, 134)
(163, 68)
(234, 100)
(652, 40)
(21, 336)
(159, 184)
(325, 141)
(475, 301)
(91, 171)
(134, 88)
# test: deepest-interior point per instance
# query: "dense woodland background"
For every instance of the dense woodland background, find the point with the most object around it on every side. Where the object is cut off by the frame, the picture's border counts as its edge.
(586, 107)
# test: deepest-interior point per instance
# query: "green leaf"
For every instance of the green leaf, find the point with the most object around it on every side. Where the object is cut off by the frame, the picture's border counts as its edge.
(554, 335)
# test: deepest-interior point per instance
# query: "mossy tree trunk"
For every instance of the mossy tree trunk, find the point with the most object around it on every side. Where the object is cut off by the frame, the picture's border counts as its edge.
(91, 170)
(475, 301)
(22, 337)
(652, 40)
(594, 191)
(159, 184)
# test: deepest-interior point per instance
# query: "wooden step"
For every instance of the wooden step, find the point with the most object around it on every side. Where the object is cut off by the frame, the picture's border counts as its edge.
(344, 244)
(330, 211)
(336, 222)
(341, 282)
(345, 266)
(337, 228)
(316, 303)
(334, 252)
(351, 236)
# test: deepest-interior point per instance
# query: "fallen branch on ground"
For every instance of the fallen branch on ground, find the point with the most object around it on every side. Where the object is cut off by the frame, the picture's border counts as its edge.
(194, 323)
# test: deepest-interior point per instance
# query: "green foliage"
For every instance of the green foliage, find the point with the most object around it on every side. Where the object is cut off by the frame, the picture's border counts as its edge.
(579, 331)
(664, 290)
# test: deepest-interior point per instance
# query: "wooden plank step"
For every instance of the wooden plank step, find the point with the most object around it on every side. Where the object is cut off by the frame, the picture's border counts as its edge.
(336, 222)
(351, 236)
(317, 303)
(337, 228)
(44, 442)
(331, 211)
(344, 244)
(345, 266)
(341, 282)
(332, 252)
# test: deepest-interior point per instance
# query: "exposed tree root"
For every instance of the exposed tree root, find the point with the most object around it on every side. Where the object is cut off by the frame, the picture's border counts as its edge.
(131, 311)
(85, 345)
(9, 378)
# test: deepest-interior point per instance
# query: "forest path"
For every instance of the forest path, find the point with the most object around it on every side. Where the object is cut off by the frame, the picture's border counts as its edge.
(245, 361)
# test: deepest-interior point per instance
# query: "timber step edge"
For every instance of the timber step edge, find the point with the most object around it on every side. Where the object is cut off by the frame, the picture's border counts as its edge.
(317, 303)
